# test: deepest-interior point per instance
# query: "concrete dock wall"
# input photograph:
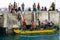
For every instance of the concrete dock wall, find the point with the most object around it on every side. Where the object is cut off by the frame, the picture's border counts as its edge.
(11, 21)
(42, 15)
(54, 16)
(28, 16)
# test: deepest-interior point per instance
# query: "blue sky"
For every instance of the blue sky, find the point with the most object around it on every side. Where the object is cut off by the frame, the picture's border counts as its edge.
(29, 3)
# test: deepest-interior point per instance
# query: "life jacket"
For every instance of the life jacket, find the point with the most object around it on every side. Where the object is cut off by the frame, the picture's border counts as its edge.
(33, 23)
(51, 8)
(24, 23)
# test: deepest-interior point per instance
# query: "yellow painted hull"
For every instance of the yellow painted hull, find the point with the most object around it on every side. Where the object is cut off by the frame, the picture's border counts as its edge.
(34, 31)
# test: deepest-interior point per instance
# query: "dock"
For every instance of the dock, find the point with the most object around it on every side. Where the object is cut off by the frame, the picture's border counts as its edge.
(10, 20)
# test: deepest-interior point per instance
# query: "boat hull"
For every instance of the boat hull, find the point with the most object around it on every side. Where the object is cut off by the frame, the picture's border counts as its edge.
(34, 31)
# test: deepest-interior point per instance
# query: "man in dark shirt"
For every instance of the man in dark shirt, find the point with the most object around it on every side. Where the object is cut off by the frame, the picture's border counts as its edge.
(22, 6)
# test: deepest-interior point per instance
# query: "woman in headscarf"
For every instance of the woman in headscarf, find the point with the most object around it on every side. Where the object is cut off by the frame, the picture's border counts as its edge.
(38, 6)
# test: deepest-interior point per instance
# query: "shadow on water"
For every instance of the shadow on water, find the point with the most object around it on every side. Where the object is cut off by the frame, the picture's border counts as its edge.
(30, 37)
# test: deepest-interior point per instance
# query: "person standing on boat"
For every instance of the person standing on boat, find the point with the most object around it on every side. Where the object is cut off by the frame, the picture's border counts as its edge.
(45, 22)
(24, 24)
(51, 25)
(34, 7)
(33, 25)
(19, 17)
(38, 24)
(22, 6)
(38, 6)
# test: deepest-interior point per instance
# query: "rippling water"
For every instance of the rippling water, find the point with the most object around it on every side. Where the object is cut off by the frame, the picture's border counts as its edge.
(55, 36)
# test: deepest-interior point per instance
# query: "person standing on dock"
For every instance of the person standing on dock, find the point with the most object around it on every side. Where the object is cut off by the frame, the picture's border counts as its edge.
(23, 6)
(53, 6)
(42, 8)
(29, 9)
(12, 8)
(38, 6)
(34, 7)
(45, 9)
(15, 6)
(19, 9)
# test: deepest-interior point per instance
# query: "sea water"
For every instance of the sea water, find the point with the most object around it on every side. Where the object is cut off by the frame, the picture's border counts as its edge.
(54, 36)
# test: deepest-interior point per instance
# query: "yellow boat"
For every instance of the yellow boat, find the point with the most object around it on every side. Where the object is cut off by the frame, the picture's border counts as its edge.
(34, 31)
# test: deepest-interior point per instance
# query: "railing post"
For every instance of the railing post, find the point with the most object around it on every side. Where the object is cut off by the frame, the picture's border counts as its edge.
(34, 16)
(48, 15)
